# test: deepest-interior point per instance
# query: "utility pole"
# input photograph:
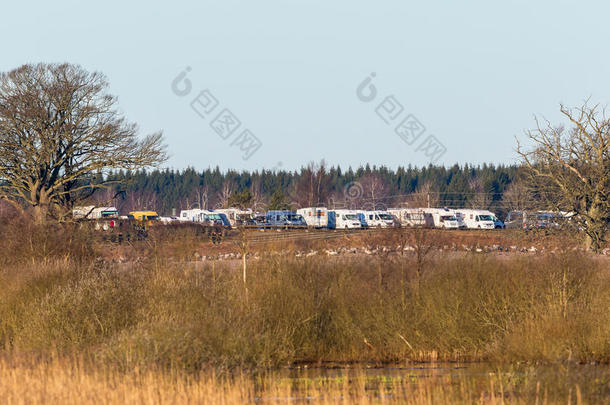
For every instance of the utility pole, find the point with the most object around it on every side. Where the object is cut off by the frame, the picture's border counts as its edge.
(428, 200)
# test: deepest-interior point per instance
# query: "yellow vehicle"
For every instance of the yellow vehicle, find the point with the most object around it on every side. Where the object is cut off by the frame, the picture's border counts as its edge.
(144, 218)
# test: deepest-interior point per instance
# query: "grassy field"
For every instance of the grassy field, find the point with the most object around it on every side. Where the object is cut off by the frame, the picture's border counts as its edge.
(159, 328)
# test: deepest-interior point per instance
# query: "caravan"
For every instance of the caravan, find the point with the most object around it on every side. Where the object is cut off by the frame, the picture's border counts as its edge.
(379, 219)
(316, 217)
(412, 217)
(477, 219)
(443, 218)
(343, 219)
(194, 215)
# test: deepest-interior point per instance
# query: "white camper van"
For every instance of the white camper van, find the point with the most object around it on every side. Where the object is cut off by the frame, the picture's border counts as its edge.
(379, 219)
(476, 219)
(194, 215)
(412, 217)
(316, 217)
(443, 218)
(343, 219)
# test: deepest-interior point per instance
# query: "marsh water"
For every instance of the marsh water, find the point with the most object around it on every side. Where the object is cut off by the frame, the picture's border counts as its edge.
(557, 383)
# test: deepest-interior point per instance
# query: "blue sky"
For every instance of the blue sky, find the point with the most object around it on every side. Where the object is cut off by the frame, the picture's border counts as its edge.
(473, 73)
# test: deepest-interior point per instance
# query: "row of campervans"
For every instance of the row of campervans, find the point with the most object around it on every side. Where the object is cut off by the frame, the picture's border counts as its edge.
(234, 217)
(447, 218)
(321, 217)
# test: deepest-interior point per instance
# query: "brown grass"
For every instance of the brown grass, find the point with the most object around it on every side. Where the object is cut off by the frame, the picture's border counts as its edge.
(318, 309)
(162, 328)
(72, 382)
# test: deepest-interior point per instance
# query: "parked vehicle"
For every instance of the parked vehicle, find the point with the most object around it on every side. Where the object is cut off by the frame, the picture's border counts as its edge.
(379, 219)
(236, 216)
(284, 218)
(205, 217)
(193, 215)
(411, 216)
(93, 212)
(343, 219)
(144, 218)
(498, 223)
(442, 218)
(259, 220)
(216, 219)
(316, 217)
(477, 219)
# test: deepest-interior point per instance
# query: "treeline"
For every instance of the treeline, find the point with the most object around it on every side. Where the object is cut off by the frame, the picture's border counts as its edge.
(166, 191)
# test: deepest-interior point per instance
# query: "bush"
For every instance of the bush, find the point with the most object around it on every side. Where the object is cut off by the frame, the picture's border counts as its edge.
(187, 317)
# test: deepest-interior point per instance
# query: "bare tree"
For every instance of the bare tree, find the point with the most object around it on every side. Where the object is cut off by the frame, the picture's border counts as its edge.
(425, 196)
(59, 134)
(311, 189)
(225, 194)
(201, 196)
(479, 198)
(258, 198)
(140, 200)
(572, 167)
(518, 196)
(375, 191)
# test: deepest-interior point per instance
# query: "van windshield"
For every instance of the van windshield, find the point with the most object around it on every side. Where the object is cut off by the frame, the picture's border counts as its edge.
(351, 216)
(485, 218)
(448, 218)
(294, 217)
(386, 217)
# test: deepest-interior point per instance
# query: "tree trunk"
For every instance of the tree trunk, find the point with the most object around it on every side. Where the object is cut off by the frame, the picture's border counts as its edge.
(41, 208)
(40, 214)
(596, 228)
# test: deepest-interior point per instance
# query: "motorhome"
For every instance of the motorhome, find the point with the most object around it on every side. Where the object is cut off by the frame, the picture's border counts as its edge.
(378, 219)
(316, 217)
(93, 212)
(442, 218)
(193, 215)
(236, 216)
(477, 219)
(284, 218)
(343, 219)
(412, 217)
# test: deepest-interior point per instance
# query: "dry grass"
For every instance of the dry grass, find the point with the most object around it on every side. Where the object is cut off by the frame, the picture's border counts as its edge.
(293, 310)
(71, 382)
(162, 330)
